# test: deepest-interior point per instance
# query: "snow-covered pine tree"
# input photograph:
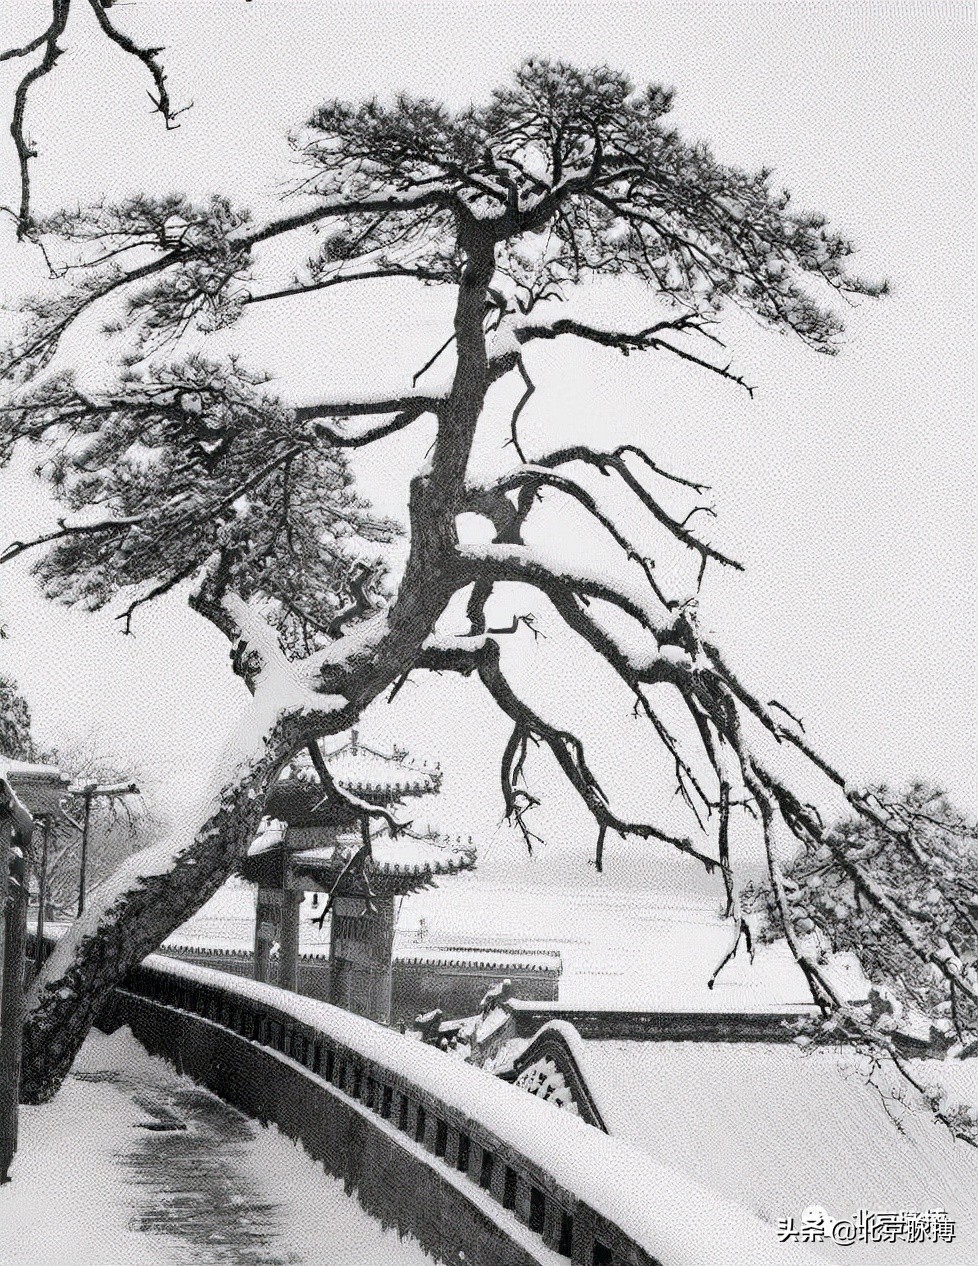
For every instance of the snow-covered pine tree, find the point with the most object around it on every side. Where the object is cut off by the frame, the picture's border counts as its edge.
(15, 722)
(904, 912)
(189, 471)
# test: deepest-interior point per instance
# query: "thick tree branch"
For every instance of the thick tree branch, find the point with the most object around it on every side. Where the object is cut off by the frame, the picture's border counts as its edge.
(367, 407)
(411, 185)
(648, 339)
(408, 412)
(523, 564)
(615, 461)
(25, 149)
(334, 793)
(369, 274)
(541, 474)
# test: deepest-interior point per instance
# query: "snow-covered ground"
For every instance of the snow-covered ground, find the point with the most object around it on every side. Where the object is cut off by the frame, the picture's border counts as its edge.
(774, 1129)
(106, 1176)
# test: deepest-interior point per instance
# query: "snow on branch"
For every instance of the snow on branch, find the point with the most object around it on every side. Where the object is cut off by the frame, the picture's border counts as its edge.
(405, 410)
(533, 565)
(275, 679)
(197, 460)
(561, 175)
(569, 751)
(717, 701)
(542, 473)
(334, 792)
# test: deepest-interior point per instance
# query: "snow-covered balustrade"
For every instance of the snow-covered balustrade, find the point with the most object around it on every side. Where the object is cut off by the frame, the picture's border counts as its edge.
(476, 1169)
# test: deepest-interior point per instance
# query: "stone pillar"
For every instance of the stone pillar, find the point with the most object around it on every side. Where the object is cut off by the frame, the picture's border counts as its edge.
(383, 983)
(288, 952)
(360, 956)
(267, 916)
(522, 1203)
(12, 985)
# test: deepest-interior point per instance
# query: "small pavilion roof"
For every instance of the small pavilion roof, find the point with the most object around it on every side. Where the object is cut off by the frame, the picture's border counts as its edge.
(406, 854)
(403, 863)
(372, 775)
(40, 788)
(361, 769)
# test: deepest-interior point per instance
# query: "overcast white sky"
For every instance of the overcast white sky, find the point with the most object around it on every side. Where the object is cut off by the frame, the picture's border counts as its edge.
(846, 485)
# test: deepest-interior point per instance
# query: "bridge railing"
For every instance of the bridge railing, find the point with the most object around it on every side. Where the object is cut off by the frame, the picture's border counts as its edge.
(467, 1164)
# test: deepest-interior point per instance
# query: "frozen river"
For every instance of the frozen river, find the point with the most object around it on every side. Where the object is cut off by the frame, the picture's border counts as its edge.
(619, 947)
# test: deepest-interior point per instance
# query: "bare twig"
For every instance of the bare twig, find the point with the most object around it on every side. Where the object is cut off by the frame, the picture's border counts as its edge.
(48, 41)
(148, 57)
(649, 339)
(521, 404)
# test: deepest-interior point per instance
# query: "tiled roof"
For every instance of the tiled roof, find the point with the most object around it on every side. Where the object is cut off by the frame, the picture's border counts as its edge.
(365, 771)
(476, 957)
(407, 854)
(40, 788)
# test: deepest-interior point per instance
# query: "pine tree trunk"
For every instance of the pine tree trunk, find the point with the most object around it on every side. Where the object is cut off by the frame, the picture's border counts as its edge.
(128, 921)
(136, 912)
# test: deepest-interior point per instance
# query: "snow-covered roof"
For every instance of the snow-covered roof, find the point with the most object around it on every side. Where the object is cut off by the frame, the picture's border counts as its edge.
(210, 947)
(649, 1200)
(488, 1024)
(747, 1007)
(318, 854)
(761, 1123)
(30, 770)
(40, 788)
(407, 854)
(491, 959)
(187, 942)
(367, 772)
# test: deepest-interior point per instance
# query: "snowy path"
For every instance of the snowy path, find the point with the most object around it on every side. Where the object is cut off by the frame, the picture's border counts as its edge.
(133, 1163)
